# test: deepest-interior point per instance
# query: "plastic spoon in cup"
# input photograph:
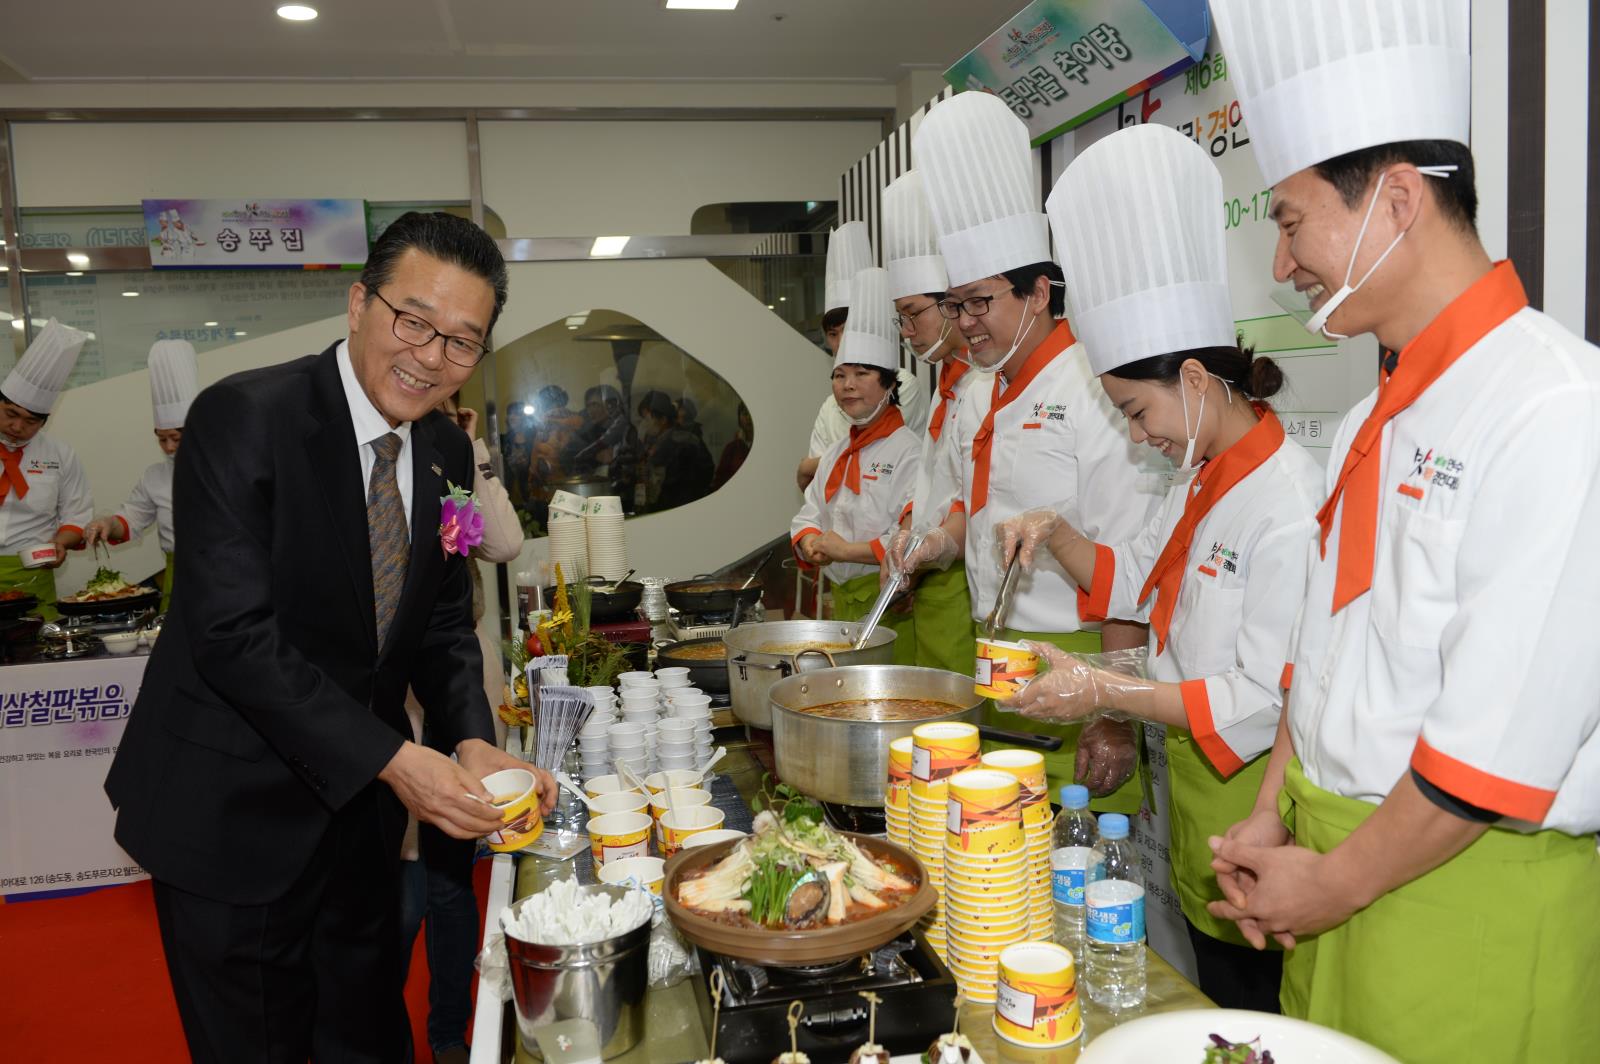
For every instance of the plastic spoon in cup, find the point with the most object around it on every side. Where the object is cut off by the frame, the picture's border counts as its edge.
(569, 785)
(705, 770)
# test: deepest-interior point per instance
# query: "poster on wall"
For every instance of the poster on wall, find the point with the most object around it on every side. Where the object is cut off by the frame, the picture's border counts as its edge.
(60, 725)
(310, 234)
(1059, 63)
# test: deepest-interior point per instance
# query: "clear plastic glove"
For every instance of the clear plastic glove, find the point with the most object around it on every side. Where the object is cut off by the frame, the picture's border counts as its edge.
(938, 550)
(1108, 752)
(1025, 533)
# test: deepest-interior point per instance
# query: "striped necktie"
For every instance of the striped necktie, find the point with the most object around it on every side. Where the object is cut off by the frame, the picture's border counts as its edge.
(386, 533)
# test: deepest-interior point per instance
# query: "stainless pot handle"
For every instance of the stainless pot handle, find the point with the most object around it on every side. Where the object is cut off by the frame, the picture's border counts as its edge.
(743, 663)
(815, 650)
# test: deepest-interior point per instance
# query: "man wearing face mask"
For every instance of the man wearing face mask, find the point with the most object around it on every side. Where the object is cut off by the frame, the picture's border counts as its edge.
(1049, 433)
(917, 282)
(1435, 868)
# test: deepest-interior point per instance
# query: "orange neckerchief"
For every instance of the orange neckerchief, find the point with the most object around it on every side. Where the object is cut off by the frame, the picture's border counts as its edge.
(951, 372)
(12, 476)
(1473, 314)
(847, 467)
(1215, 479)
(1058, 341)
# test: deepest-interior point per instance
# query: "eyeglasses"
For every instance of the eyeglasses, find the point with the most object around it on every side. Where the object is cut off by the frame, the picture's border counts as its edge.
(419, 332)
(907, 322)
(973, 306)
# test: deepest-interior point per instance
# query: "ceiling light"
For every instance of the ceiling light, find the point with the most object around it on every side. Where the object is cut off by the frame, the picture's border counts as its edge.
(783, 299)
(607, 246)
(527, 409)
(771, 306)
(74, 273)
(702, 5)
(296, 12)
(575, 320)
(240, 332)
(131, 295)
(77, 258)
(210, 324)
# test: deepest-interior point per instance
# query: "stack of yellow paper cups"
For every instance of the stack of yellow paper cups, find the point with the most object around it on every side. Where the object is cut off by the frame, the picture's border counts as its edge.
(897, 796)
(1028, 767)
(1037, 996)
(938, 751)
(986, 876)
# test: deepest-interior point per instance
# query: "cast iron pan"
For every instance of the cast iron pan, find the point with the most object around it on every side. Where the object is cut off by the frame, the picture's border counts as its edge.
(606, 607)
(719, 596)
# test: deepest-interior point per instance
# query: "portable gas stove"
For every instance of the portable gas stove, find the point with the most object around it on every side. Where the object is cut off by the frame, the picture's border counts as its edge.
(682, 625)
(918, 995)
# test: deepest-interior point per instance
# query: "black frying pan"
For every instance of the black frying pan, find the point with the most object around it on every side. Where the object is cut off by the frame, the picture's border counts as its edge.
(605, 607)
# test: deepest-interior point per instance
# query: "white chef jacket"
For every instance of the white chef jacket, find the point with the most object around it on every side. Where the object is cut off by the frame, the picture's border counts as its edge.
(149, 503)
(58, 496)
(939, 477)
(831, 425)
(1060, 444)
(1240, 595)
(1472, 658)
(888, 476)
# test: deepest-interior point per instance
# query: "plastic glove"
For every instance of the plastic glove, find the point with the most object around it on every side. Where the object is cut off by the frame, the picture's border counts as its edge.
(1108, 752)
(1071, 688)
(1025, 534)
(938, 550)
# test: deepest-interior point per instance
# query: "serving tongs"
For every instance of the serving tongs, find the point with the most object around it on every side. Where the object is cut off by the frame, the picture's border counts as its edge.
(890, 592)
(993, 623)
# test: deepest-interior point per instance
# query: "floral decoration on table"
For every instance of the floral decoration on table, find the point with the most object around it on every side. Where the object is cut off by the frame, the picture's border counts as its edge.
(592, 660)
(460, 523)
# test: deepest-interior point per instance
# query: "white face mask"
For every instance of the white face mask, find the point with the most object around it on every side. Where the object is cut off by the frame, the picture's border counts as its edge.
(12, 443)
(863, 422)
(1016, 342)
(930, 356)
(1192, 433)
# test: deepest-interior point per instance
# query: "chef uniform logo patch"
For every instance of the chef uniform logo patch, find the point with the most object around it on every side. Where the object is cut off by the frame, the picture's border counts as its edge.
(1429, 468)
(878, 469)
(1049, 411)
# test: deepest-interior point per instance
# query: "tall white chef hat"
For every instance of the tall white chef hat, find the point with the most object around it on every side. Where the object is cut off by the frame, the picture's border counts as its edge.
(174, 381)
(849, 251)
(1317, 80)
(870, 336)
(1140, 239)
(910, 245)
(982, 190)
(40, 375)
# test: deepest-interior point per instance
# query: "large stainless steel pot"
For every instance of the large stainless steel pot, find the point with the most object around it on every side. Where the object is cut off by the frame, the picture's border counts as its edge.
(843, 760)
(752, 671)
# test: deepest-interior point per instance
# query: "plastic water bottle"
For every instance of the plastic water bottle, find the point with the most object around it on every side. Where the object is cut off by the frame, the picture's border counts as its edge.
(1114, 934)
(1071, 856)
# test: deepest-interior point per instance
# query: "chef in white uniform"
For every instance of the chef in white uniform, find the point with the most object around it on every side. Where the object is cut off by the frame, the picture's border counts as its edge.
(44, 493)
(850, 252)
(852, 508)
(174, 382)
(1438, 778)
(1049, 434)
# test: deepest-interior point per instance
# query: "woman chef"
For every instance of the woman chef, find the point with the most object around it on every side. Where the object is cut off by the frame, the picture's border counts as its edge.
(1220, 570)
(853, 505)
(44, 494)
(174, 382)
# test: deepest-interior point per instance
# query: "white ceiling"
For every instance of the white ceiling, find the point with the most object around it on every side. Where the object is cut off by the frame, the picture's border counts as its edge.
(175, 40)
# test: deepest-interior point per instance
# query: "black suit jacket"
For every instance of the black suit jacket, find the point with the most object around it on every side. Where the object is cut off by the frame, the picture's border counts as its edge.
(268, 704)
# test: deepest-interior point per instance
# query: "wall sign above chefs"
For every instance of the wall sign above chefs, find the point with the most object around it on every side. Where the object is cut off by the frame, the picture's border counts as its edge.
(1058, 63)
(312, 234)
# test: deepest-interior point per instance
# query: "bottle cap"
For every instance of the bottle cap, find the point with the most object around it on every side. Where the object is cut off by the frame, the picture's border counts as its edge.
(1074, 796)
(1113, 826)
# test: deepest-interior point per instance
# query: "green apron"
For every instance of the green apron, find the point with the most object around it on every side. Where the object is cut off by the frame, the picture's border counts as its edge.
(1059, 766)
(943, 613)
(38, 582)
(1493, 956)
(853, 599)
(1200, 804)
(166, 583)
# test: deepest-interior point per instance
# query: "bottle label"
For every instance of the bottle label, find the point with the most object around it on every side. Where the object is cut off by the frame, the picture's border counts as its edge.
(1069, 868)
(1115, 911)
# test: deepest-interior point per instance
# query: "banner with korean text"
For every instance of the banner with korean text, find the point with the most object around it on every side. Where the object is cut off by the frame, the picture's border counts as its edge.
(212, 233)
(60, 725)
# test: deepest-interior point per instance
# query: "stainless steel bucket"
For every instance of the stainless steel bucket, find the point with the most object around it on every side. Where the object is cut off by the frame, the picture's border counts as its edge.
(752, 671)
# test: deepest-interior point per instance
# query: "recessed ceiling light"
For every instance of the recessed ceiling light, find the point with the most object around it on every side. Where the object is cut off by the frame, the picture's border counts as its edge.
(607, 246)
(74, 273)
(296, 12)
(771, 306)
(240, 332)
(211, 325)
(77, 258)
(702, 5)
(783, 299)
(131, 295)
(527, 409)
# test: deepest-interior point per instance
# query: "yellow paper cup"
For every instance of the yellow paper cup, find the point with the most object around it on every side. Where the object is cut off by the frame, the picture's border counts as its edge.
(1002, 669)
(598, 785)
(648, 872)
(1028, 767)
(615, 836)
(513, 791)
(618, 802)
(680, 824)
(1037, 996)
(900, 759)
(683, 799)
(941, 749)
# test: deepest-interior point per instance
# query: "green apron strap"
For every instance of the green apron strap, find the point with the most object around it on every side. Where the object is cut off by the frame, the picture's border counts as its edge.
(38, 582)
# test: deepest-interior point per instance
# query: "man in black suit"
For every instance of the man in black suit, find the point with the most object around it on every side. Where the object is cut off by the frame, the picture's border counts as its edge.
(265, 773)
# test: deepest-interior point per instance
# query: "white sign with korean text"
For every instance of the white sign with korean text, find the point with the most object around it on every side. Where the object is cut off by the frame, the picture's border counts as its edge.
(60, 725)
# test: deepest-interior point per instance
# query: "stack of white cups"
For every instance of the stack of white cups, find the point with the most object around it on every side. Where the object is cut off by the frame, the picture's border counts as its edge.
(640, 703)
(686, 706)
(569, 542)
(594, 740)
(607, 543)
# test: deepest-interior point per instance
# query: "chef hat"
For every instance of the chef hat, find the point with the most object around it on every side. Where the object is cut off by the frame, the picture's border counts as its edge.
(849, 251)
(1317, 80)
(37, 380)
(910, 246)
(1141, 247)
(174, 381)
(978, 171)
(870, 336)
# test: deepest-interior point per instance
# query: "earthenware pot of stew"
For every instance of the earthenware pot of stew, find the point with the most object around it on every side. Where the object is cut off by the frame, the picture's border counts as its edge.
(760, 655)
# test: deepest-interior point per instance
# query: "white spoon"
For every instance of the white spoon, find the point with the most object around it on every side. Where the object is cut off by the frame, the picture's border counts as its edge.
(569, 785)
(716, 755)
